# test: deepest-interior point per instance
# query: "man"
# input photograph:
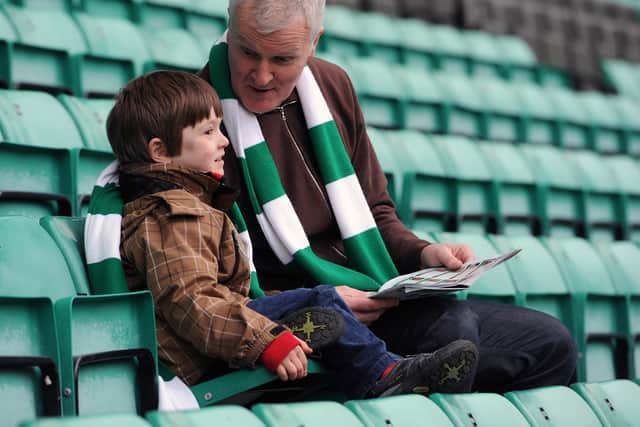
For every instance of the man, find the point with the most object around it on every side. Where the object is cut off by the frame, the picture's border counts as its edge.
(269, 44)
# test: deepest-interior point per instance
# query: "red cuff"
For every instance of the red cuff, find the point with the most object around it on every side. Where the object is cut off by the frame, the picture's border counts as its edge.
(275, 353)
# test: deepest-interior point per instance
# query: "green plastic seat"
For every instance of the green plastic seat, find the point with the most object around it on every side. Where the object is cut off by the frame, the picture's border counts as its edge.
(173, 49)
(608, 127)
(423, 107)
(64, 5)
(622, 76)
(521, 61)
(473, 190)
(541, 124)
(427, 201)
(452, 55)
(90, 421)
(7, 37)
(380, 103)
(505, 119)
(341, 33)
(465, 105)
(603, 202)
(573, 118)
(218, 416)
(495, 285)
(207, 20)
(487, 59)
(629, 110)
(479, 409)
(385, 151)
(562, 199)
(36, 161)
(621, 259)
(419, 45)
(542, 289)
(518, 200)
(123, 9)
(553, 406)
(385, 42)
(602, 331)
(614, 402)
(116, 53)
(42, 56)
(308, 414)
(398, 411)
(626, 172)
(163, 13)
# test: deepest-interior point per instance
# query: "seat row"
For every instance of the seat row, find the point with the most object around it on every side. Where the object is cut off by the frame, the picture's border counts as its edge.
(453, 183)
(598, 404)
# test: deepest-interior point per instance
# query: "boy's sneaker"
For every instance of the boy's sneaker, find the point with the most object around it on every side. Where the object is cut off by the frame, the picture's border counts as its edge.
(318, 326)
(448, 370)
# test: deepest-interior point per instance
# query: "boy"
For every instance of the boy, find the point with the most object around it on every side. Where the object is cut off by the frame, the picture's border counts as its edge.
(178, 241)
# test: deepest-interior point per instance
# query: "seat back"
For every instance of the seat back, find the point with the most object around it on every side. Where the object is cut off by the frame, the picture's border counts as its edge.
(90, 421)
(173, 49)
(479, 409)
(398, 411)
(309, 414)
(219, 416)
(614, 402)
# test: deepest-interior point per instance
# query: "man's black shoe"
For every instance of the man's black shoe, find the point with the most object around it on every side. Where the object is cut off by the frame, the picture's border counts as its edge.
(318, 326)
(447, 370)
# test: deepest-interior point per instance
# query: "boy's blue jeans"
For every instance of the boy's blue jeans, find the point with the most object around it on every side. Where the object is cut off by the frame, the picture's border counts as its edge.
(359, 357)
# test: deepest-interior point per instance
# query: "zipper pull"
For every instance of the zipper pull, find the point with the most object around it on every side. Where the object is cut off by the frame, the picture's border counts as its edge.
(284, 116)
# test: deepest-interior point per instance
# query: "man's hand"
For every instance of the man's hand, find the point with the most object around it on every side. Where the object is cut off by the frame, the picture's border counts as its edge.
(366, 309)
(294, 366)
(449, 255)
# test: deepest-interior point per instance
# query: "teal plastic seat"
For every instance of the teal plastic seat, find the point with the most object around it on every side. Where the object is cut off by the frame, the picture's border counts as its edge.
(487, 59)
(398, 411)
(560, 188)
(614, 402)
(162, 13)
(90, 421)
(628, 111)
(495, 285)
(384, 43)
(602, 331)
(479, 409)
(622, 76)
(173, 49)
(341, 33)
(7, 37)
(116, 53)
(452, 55)
(207, 20)
(604, 218)
(43, 54)
(521, 61)
(423, 107)
(380, 103)
(573, 118)
(473, 192)
(123, 9)
(465, 105)
(541, 125)
(553, 406)
(64, 5)
(518, 200)
(308, 414)
(385, 151)
(608, 127)
(419, 46)
(219, 416)
(505, 118)
(626, 172)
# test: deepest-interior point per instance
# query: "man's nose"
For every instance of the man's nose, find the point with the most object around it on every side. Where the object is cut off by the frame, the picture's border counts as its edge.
(262, 74)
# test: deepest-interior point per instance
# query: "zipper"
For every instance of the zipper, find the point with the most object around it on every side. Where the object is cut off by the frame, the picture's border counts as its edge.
(338, 251)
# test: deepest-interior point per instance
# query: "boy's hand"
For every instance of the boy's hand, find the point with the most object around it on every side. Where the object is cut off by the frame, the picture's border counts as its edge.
(294, 365)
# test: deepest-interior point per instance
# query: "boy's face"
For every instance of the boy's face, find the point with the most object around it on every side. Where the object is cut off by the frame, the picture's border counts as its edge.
(203, 146)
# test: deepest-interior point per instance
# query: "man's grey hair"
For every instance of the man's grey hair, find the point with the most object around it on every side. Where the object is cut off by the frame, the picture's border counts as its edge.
(275, 15)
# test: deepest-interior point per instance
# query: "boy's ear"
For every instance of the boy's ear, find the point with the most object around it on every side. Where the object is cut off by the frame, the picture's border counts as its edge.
(158, 151)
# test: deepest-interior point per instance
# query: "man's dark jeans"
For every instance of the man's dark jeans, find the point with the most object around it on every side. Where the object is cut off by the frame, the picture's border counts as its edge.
(519, 348)
(358, 358)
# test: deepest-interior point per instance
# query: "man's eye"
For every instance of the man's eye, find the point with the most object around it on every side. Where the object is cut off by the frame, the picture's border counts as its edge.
(282, 59)
(249, 52)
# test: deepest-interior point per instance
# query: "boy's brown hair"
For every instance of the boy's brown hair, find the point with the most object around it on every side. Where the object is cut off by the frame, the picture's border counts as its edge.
(158, 104)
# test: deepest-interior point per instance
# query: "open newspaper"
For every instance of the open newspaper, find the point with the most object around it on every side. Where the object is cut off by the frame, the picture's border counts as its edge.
(438, 280)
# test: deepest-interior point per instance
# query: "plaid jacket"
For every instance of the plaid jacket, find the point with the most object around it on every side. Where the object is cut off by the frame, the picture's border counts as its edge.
(180, 244)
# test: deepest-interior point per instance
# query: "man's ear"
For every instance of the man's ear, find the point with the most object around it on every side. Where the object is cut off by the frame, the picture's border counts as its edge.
(314, 43)
(158, 151)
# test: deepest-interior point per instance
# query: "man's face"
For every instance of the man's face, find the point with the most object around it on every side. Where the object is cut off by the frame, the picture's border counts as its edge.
(265, 68)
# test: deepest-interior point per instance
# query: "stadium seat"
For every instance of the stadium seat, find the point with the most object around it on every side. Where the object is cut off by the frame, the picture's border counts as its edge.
(541, 125)
(608, 127)
(64, 5)
(380, 102)
(473, 191)
(386, 153)
(42, 56)
(90, 421)
(452, 55)
(520, 59)
(308, 414)
(116, 53)
(341, 33)
(122, 9)
(7, 37)
(627, 175)
(384, 43)
(162, 13)
(518, 209)
(505, 121)
(572, 116)
(629, 110)
(465, 105)
(614, 402)
(218, 416)
(422, 106)
(623, 77)
(479, 409)
(487, 59)
(537, 278)
(602, 331)
(604, 218)
(495, 285)
(174, 49)
(553, 406)
(398, 411)
(561, 191)
(207, 20)
(419, 44)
